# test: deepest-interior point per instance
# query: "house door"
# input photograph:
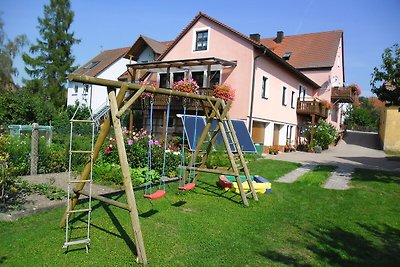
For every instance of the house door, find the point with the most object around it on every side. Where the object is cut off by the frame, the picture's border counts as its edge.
(258, 132)
(275, 141)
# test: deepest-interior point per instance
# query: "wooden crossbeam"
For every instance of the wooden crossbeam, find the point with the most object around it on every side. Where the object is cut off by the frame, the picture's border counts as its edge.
(106, 200)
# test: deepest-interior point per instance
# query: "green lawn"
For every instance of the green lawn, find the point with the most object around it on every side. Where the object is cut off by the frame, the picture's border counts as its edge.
(299, 224)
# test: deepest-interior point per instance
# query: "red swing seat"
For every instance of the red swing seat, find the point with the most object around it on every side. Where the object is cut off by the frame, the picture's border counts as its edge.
(156, 195)
(187, 187)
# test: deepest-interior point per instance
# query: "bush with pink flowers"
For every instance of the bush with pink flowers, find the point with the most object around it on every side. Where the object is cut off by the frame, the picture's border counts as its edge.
(136, 146)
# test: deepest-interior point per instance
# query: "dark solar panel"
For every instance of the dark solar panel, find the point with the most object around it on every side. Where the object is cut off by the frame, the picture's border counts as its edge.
(245, 141)
(189, 122)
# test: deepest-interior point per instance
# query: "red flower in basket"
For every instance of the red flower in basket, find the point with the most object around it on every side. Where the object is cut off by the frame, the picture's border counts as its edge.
(224, 91)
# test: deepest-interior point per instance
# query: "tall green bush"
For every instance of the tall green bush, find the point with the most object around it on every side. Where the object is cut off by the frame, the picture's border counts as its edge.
(324, 134)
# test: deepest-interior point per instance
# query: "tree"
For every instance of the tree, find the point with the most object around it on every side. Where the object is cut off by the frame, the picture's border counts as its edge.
(365, 114)
(8, 51)
(52, 58)
(386, 81)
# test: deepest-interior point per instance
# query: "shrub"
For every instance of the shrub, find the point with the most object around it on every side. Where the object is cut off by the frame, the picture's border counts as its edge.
(324, 134)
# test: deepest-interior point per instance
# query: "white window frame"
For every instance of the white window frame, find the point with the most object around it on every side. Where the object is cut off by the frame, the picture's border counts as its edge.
(195, 31)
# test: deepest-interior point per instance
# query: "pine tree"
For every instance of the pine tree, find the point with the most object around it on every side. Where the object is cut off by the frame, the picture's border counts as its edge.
(52, 58)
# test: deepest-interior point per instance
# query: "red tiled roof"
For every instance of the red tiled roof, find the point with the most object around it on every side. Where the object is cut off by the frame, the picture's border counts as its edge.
(313, 50)
(101, 62)
(140, 44)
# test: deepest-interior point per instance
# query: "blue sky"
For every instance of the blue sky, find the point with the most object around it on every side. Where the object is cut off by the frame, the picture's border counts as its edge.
(369, 26)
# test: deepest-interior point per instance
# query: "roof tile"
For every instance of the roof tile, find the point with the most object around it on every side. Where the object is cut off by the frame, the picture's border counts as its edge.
(104, 59)
(313, 50)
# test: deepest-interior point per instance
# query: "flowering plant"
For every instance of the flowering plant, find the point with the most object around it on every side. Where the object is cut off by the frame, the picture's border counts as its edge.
(327, 104)
(189, 86)
(224, 91)
(146, 94)
(355, 88)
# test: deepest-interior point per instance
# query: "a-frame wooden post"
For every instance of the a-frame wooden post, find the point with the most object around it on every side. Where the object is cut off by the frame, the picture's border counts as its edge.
(130, 195)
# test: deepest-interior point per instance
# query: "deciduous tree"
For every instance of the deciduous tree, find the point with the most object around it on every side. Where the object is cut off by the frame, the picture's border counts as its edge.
(8, 51)
(386, 80)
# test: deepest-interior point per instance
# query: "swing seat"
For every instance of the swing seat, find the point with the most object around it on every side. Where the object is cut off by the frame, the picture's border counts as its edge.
(187, 187)
(156, 195)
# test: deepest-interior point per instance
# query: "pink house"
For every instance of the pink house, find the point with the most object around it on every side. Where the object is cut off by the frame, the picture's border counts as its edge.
(283, 84)
(275, 98)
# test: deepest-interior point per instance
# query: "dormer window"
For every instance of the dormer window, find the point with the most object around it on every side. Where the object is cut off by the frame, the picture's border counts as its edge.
(201, 41)
(287, 55)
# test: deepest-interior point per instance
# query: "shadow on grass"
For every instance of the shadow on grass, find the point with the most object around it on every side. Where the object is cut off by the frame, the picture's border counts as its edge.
(3, 259)
(122, 233)
(379, 246)
(121, 230)
(363, 175)
(214, 190)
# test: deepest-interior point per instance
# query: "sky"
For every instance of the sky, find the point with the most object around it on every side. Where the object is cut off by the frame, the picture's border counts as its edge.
(369, 26)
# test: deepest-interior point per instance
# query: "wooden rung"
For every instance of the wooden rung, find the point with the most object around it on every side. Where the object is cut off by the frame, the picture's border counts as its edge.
(76, 211)
(76, 242)
(78, 181)
(83, 121)
(80, 151)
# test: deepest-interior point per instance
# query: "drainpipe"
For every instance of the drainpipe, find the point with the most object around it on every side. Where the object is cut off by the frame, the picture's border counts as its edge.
(252, 89)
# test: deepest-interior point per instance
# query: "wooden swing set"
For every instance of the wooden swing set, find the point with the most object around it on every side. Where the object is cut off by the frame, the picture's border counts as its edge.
(215, 109)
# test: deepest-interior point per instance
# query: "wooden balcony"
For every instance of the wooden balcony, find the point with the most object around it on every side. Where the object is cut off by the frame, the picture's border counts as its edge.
(343, 95)
(160, 101)
(309, 108)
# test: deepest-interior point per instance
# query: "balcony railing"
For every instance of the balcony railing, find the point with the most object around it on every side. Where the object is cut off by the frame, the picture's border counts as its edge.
(311, 108)
(160, 101)
(343, 95)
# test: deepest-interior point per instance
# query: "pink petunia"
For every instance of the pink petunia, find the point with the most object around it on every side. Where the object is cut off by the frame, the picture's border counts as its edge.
(130, 142)
(108, 150)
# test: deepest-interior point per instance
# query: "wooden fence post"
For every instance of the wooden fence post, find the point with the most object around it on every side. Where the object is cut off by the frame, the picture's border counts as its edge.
(34, 148)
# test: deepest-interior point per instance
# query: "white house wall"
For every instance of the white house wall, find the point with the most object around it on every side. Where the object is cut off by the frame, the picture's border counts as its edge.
(97, 95)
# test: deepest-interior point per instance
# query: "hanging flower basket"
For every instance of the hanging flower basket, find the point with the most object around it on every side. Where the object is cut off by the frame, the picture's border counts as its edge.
(145, 96)
(189, 86)
(355, 88)
(224, 91)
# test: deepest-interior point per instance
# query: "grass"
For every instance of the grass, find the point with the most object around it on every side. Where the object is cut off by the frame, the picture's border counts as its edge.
(299, 224)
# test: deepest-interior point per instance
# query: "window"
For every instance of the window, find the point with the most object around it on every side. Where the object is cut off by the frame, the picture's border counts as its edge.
(91, 65)
(284, 96)
(86, 89)
(75, 89)
(264, 87)
(215, 77)
(302, 92)
(178, 76)
(198, 76)
(201, 40)
(163, 80)
(292, 100)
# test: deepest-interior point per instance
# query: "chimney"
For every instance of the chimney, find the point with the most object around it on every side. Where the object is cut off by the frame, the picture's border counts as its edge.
(255, 37)
(279, 37)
